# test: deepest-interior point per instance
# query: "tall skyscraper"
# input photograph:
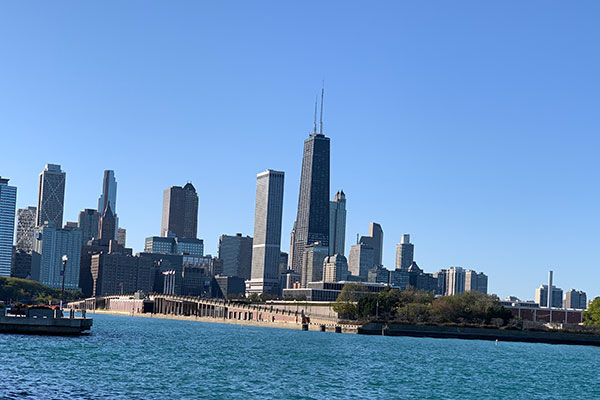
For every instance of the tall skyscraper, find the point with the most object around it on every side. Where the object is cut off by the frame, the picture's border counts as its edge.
(266, 247)
(8, 203)
(236, 253)
(51, 244)
(180, 212)
(541, 296)
(25, 228)
(337, 224)
(109, 192)
(405, 252)
(88, 222)
(51, 195)
(312, 221)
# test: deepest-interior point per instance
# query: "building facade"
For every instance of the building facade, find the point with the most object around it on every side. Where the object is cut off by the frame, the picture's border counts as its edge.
(52, 244)
(337, 224)
(266, 245)
(236, 253)
(180, 212)
(25, 228)
(455, 281)
(405, 253)
(375, 241)
(8, 203)
(122, 236)
(51, 196)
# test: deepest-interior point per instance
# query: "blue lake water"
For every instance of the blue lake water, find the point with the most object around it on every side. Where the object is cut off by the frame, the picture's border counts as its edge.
(142, 358)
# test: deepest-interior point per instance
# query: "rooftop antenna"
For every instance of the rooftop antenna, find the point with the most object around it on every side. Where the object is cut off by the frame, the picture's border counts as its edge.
(321, 120)
(315, 121)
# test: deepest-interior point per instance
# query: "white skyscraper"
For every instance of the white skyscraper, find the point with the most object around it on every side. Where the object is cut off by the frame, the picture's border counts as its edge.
(405, 253)
(337, 224)
(266, 248)
(8, 202)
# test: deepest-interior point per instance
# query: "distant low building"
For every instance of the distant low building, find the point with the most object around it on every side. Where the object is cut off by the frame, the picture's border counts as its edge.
(227, 286)
(329, 291)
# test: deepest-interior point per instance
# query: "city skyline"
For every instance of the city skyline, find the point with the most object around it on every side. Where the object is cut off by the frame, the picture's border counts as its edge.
(484, 135)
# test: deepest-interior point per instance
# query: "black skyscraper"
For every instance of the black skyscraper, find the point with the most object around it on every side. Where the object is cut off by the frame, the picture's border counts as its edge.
(180, 212)
(312, 222)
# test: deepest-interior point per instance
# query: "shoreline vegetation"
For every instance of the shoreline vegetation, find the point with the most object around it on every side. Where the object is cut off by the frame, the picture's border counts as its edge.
(392, 312)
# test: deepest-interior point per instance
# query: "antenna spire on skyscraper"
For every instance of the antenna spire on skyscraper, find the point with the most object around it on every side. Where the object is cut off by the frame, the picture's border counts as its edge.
(321, 119)
(315, 120)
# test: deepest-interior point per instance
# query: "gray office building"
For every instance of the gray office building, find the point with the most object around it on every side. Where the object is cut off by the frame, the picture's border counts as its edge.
(455, 281)
(109, 196)
(266, 246)
(88, 222)
(236, 253)
(52, 243)
(576, 299)
(361, 260)
(121, 236)
(51, 196)
(8, 203)
(405, 253)
(337, 224)
(312, 220)
(180, 212)
(25, 228)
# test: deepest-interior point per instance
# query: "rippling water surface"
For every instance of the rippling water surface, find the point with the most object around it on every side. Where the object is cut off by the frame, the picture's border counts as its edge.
(142, 358)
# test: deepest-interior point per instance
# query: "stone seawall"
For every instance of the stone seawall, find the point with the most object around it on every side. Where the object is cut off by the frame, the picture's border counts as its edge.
(459, 332)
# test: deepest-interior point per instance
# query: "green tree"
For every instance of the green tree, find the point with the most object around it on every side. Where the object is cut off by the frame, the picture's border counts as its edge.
(346, 303)
(591, 316)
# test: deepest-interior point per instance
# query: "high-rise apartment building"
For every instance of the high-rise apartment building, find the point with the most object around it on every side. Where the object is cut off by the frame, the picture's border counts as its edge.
(51, 196)
(337, 224)
(405, 253)
(8, 203)
(455, 281)
(335, 268)
(88, 222)
(180, 212)
(236, 253)
(266, 247)
(25, 228)
(576, 299)
(541, 296)
(312, 220)
(52, 243)
(476, 282)
(361, 260)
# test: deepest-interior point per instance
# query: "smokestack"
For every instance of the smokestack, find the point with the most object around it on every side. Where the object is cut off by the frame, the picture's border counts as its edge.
(550, 289)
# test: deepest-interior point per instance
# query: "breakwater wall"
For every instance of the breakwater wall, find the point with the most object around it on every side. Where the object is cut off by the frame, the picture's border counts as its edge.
(475, 333)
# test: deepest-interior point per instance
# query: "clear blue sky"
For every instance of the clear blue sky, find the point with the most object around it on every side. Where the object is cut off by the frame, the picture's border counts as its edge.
(470, 125)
